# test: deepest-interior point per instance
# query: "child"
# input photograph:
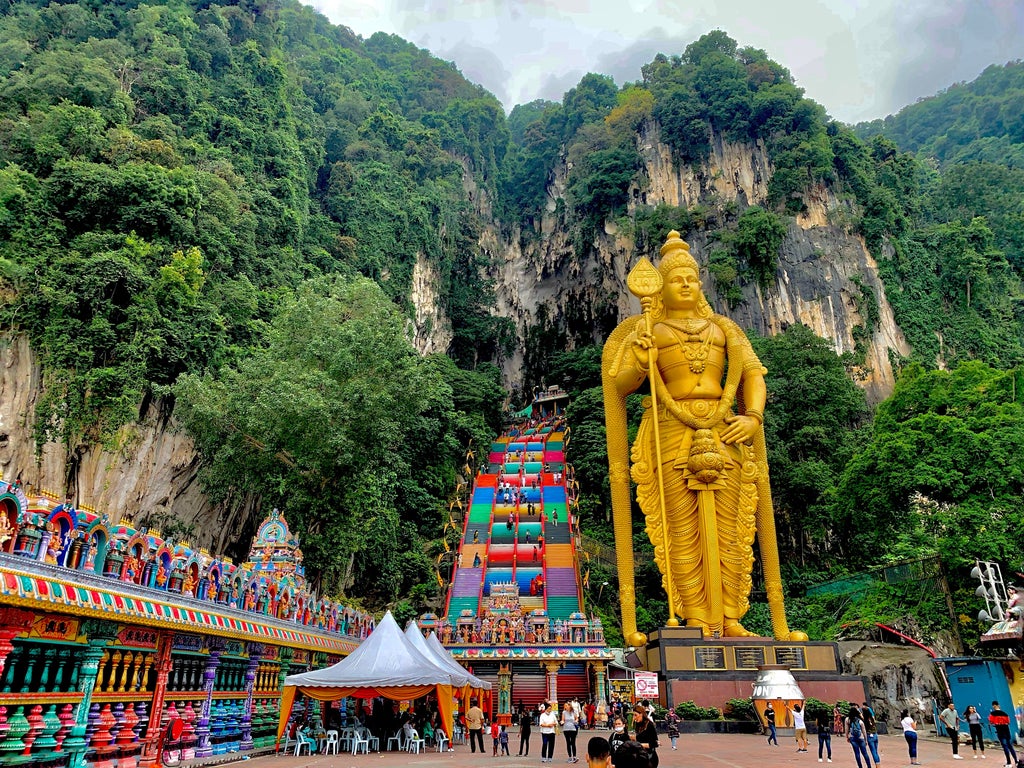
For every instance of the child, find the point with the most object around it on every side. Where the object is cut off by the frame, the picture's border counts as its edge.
(503, 740)
(599, 753)
(496, 735)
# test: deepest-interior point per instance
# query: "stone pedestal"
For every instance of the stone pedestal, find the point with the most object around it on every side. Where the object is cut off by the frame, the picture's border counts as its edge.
(710, 671)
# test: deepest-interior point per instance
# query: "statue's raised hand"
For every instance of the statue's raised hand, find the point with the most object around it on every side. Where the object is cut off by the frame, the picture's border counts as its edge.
(644, 350)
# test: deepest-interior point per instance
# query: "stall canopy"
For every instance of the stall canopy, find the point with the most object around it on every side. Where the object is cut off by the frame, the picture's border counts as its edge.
(385, 664)
(449, 662)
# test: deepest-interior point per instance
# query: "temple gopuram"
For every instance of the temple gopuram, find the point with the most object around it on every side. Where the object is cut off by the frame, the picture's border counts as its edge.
(515, 608)
(108, 633)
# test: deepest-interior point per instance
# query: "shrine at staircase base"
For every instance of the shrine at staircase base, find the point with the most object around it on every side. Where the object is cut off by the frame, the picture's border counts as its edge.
(710, 671)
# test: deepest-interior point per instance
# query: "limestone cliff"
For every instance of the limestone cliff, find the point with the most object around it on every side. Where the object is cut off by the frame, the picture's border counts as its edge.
(826, 278)
(150, 473)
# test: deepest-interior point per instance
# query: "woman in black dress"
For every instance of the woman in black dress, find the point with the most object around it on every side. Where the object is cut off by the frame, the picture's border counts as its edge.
(645, 734)
(525, 725)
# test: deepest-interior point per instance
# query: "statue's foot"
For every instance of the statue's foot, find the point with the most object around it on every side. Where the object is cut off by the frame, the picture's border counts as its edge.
(735, 629)
(705, 630)
(796, 636)
(637, 639)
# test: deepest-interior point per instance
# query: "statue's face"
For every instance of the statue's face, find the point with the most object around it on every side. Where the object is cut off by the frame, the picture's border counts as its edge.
(681, 289)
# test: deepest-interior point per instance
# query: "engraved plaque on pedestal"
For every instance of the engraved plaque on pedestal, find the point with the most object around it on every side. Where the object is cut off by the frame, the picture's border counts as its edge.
(709, 657)
(790, 656)
(749, 657)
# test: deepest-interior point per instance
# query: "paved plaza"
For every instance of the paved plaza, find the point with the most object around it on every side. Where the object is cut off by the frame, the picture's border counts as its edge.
(695, 751)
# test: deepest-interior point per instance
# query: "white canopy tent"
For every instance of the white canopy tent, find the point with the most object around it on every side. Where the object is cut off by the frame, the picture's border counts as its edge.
(385, 664)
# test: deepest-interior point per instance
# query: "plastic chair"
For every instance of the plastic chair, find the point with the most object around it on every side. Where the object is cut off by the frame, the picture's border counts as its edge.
(372, 741)
(331, 745)
(415, 742)
(441, 741)
(302, 740)
(399, 741)
(360, 743)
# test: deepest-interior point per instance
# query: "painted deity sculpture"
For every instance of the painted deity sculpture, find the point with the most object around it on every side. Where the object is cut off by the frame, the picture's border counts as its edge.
(699, 458)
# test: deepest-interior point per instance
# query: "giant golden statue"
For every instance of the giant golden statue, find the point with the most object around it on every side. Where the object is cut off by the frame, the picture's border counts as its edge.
(699, 459)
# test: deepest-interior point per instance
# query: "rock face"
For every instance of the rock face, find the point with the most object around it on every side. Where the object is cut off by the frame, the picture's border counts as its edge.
(150, 474)
(901, 677)
(825, 279)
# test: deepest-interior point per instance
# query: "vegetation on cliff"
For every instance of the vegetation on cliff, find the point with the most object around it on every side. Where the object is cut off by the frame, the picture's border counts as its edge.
(222, 204)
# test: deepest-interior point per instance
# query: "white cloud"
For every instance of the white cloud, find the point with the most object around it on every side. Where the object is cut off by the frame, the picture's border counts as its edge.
(861, 59)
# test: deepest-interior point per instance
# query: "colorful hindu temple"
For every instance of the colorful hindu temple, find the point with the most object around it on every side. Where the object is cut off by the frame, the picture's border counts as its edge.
(108, 633)
(515, 610)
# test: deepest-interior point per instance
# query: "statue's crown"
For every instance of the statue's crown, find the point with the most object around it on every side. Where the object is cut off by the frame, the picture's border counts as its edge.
(675, 253)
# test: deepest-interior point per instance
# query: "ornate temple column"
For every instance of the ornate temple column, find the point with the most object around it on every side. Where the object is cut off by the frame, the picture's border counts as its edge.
(151, 747)
(203, 748)
(551, 669)
(255, 654)
(99, 633)
(13, 621)
(600, 680)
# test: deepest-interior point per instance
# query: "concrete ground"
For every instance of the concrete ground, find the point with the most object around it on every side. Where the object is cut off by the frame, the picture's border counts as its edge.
(695, 751)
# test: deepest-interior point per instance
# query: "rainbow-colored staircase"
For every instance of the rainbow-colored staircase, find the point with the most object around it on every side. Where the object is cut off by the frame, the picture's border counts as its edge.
(519, 528)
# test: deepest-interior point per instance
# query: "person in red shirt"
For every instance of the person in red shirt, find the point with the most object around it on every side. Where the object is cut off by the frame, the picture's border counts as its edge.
(496, 735)
(1001, 721)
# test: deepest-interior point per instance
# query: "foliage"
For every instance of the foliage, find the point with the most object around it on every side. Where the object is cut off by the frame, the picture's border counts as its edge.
(739, 709)
(815, 708)
(687, 710)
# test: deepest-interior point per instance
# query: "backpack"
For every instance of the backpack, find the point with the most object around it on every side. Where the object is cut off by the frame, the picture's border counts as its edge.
(856, 731)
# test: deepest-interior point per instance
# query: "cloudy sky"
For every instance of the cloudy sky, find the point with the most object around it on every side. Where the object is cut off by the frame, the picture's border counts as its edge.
(861, 59)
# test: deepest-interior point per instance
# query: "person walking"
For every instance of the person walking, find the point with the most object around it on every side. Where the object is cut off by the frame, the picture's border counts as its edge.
(910, 734)
(570, 725)
(871, 731)
(973, 719)
(769, 718)
(1000, 720)
(857, 737)
(951, 721)
(548, 722)
(824, 723)
(799, 728)
(645, 732)
(673, 727)
(525, 727)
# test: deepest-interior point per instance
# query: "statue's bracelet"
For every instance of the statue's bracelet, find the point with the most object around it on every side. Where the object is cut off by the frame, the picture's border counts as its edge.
(754, 415)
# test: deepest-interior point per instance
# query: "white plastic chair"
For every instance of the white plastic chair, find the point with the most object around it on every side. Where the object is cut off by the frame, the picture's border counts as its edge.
(372, 741)
(399, 741)
(302, 740)
(331, 745)
(360, 744)
(441, 741)
(415, 742)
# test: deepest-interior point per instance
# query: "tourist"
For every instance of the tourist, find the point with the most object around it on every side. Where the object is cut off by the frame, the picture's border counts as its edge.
(837, 721)
(503, 740)
(569, 728)
(476, 560)
(619, 735)
(554, 517)
(599, 753)
(871, 730)
(645, 733)
(547, 723)
(633, 755)
(824, 723)
(673, 727)
(799, 728)
(910, 734)
(475, 725)
(973, 719)
(495, 737)
(525, 726)
(769, 719)
(951, 720)
(1001, 721)
(857, 737)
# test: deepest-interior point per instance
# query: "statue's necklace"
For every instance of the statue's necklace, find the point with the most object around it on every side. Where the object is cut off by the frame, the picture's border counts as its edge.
(695, 349)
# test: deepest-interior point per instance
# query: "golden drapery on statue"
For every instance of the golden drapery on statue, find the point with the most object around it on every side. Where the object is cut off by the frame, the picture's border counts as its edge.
(699, 459)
